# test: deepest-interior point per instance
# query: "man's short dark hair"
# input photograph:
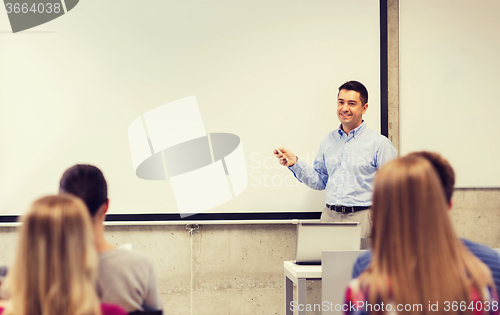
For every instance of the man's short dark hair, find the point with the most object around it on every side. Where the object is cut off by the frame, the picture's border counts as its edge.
(443, 169)
(358, 87)
(86, 182)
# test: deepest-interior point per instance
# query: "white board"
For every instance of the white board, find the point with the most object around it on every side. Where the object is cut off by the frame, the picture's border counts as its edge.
(265, 71)
(449, 68)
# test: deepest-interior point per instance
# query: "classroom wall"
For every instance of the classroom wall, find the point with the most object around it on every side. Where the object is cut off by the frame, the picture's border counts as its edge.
(238, 269)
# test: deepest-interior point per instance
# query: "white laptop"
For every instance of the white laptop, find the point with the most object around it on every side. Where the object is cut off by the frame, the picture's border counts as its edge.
(313, 238)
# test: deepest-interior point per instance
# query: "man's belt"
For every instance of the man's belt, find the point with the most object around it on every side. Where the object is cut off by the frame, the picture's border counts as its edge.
(345, 209)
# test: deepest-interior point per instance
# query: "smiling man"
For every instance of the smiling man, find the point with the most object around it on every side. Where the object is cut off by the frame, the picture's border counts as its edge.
(347, 161)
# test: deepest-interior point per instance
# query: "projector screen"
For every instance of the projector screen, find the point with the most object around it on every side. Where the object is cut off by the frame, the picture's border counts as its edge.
(180, 103)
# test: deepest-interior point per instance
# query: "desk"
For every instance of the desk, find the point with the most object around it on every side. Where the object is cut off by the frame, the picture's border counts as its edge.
(298, 274)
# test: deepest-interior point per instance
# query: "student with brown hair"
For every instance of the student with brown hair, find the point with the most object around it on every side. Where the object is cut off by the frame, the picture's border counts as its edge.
(447, 177)
(56, 263)
(417, 259)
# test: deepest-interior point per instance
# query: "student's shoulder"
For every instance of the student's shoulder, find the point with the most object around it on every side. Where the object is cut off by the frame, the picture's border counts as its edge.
(479, 249)
(365, 257)
(124, 256)
(486, 254)
(361, 263)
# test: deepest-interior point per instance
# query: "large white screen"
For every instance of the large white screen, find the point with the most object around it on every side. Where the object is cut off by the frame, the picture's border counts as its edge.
(266, 71)
(449, 65)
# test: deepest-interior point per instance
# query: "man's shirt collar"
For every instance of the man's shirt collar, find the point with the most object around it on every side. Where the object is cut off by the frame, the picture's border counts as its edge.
(355, 132)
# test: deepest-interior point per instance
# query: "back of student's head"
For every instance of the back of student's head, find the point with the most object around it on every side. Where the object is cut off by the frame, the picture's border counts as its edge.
(415, 248)
(443, 169)
(56, 261)
(408, 208)
(87, 183)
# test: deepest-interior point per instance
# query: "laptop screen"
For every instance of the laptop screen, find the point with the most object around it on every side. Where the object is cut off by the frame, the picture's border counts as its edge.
(313, 238)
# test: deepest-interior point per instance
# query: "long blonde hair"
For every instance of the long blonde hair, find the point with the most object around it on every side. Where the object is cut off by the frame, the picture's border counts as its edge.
(417, 257)
(56, 263)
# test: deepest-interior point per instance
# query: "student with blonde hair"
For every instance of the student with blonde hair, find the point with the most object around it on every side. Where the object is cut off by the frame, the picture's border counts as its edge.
(418, 264)
(55, 267)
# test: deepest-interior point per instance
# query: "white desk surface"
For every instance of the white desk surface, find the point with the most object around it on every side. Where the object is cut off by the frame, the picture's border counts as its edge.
(294, 271)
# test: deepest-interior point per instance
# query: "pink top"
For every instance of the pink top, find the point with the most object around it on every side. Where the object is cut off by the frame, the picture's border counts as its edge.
(112, 309)
(107, 309)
